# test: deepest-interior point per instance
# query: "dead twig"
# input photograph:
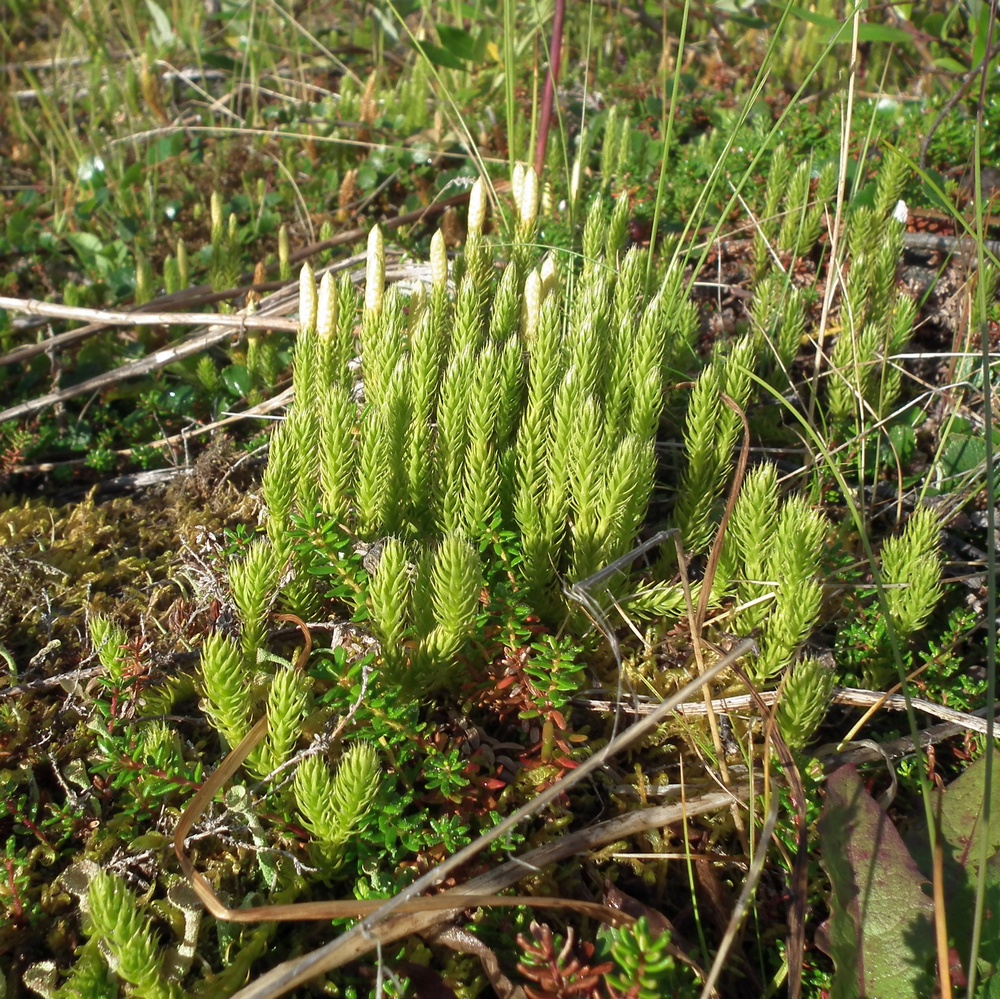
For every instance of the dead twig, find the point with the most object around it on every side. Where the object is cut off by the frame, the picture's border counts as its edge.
(107, 317)
(221, 327)
(286, 976)
(854, 697)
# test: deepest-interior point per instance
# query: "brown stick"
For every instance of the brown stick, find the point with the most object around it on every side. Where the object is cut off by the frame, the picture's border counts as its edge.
(335, 909)
(284, 301)
(168, 355)
(109, 317)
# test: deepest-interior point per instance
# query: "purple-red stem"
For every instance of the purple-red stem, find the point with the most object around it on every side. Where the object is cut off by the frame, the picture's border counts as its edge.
(551, 78)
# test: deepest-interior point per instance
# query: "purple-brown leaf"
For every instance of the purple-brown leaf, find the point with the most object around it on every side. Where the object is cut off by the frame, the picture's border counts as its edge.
(880, 932)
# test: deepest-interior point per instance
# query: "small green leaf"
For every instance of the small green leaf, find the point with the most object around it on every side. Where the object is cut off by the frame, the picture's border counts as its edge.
(441, 57)
(163, 32)
(85, 244)
(178, 399)
(18, 225)
(964, 453)
(164, 149)
(883, 33)
(866, 32)
(220, 60)
(458, 42)
(133, 175)
(750, 23)
(149, 841)
(950, 65)
(367, 176)
(237, 379)
(904, 441)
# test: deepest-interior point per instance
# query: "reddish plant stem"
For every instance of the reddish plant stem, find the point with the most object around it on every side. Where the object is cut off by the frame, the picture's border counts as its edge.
(14, 907)
(551, 78)
(27, 823)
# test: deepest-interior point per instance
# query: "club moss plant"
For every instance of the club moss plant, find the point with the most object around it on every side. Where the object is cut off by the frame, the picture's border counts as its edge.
(450, 458)
(453, 459)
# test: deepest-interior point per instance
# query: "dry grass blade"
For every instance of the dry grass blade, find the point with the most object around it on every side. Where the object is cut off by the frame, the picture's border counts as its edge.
(796, 945)
(854, 697)
(753, 876)
(940, 916)
(463, 942)
(355, 944)
(203, 294)
(218, 328)
(200, 295)
(145, 366)
(352, 908)
(282, 302)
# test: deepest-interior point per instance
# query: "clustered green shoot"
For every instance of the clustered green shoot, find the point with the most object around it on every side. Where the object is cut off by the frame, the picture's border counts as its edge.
(130, 946)
(109, 639)
(645, 968)
(911, 572)
(514, 409)
(792, 219)
(772, 555)
(513, 413)
(876, 318)
(332, 805)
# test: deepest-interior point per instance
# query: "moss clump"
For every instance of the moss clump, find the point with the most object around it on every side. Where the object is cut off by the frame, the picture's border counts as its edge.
(118, 556)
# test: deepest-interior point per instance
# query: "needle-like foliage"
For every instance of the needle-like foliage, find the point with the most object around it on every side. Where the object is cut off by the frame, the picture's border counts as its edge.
(132, 949)
(911, 571)
(333, 805)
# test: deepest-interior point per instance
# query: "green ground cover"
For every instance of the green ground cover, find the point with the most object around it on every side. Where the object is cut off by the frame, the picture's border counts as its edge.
(404, 496)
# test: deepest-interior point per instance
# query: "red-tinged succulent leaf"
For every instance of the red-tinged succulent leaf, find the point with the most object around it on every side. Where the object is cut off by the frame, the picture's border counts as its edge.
(880, 932)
